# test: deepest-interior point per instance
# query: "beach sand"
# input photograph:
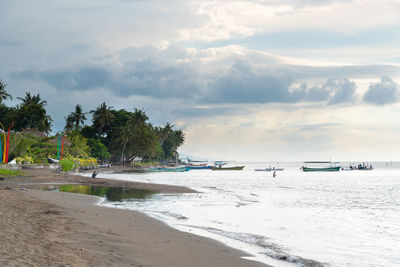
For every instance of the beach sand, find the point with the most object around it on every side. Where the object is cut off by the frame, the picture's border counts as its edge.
(43, 228)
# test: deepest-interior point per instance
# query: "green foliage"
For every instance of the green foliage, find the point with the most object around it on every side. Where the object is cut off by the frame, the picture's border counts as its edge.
(98, 149)
(75, 118)
(113, 132)
(26, 145)
(10, 173)
(3, 94)
(32, 114)
(67, 165)
(79, 147)
(102, 119)
(170, 140)
(88, 132)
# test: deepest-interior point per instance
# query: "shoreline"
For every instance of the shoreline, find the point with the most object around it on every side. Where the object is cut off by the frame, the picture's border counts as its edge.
(91, 235)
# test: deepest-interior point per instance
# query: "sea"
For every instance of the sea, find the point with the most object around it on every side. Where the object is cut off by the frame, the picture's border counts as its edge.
(346, 218)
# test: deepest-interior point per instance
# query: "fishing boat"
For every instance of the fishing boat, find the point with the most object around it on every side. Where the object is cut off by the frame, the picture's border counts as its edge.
(197, 165)
(168, 169)
(220, 166)
(359, 167)
(364, 167)
(321, 166)
(51, 160)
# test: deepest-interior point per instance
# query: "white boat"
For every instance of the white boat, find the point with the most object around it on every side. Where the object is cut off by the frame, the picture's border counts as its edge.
(51, 160)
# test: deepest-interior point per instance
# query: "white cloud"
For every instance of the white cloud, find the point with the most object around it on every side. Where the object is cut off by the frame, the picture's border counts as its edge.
(384, 92)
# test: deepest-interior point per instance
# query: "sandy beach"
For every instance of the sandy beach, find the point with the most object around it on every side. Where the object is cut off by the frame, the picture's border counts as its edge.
(44, 228)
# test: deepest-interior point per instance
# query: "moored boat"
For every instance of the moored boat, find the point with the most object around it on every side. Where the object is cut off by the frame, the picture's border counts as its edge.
(220, 166)
(51, 160)
(317, 167)
(197, 165)
(168, 169)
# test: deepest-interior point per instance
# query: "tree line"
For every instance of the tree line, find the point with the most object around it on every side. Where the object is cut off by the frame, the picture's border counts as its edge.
(117, 134)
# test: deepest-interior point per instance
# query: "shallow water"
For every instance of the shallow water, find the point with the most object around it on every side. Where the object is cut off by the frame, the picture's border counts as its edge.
(111, 194)
(347, 218)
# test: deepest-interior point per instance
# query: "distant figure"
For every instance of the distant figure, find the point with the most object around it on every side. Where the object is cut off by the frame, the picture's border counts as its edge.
(94, 174)
(274, 174)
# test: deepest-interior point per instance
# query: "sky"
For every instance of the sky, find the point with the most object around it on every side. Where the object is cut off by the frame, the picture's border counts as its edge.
(262, 80)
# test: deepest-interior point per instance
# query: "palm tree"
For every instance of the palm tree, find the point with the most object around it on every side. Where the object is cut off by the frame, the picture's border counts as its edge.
(69, 123)
(102, 118)
(138, 119)
(32, 113)
(77, 117)
(3, 94)
(170, 140)
(32, 99)
(123, 137)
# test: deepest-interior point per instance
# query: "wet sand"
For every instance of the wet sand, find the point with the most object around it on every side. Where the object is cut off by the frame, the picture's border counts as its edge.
(43, 228)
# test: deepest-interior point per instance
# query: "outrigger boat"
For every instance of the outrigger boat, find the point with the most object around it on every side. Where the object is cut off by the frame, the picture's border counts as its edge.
(333, 166)
(197, 165)
(169, 169)
(51, 160)
(219, 167)
(360, 167)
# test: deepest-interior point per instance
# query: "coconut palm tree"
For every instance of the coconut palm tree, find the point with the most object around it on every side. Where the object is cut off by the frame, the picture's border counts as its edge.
(32, 113)
(77, 117)
(170, 140)
(122, 138)
(3, 94)
(102, 118)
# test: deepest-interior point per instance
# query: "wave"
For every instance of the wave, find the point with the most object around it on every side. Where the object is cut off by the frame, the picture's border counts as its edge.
(270, 249)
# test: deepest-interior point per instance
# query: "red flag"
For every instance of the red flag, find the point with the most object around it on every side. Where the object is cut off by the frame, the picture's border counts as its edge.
(62, 146)
(8, 142)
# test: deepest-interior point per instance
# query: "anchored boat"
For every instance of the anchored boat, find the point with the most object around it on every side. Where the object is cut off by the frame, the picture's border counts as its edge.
(197, 165)
(321, 166)
(220, 166)
(168, 169)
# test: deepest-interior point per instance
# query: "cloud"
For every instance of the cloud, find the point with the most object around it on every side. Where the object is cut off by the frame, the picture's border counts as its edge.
(200, 77)
(82, 78)
(384, 92)
(315, 127)
(204, 112)
(343, 91)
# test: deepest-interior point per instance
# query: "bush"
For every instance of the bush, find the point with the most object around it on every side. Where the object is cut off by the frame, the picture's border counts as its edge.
(67, 165)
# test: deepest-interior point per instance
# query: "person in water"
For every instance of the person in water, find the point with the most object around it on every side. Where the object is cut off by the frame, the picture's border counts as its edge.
(94, 174)
(274, 174)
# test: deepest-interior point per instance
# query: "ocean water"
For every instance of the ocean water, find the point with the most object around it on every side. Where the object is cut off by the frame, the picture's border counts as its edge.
(346, 218)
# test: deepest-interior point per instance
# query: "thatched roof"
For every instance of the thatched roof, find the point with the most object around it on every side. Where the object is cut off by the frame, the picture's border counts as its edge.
(34, 132)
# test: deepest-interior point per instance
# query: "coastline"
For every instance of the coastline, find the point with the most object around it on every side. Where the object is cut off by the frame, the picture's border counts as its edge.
(73, 230)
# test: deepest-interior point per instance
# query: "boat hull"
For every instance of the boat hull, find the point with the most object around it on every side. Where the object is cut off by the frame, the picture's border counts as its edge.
(326, 169)
(180, 169)
(198, 167)
(236, 168)
(51, 160)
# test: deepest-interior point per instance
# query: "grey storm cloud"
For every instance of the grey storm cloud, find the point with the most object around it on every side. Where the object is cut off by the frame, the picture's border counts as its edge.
(168, 75)
(84, 78)
(381, 93)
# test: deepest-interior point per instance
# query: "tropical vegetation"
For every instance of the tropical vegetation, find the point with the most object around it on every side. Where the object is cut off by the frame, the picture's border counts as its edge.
(112, 135)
